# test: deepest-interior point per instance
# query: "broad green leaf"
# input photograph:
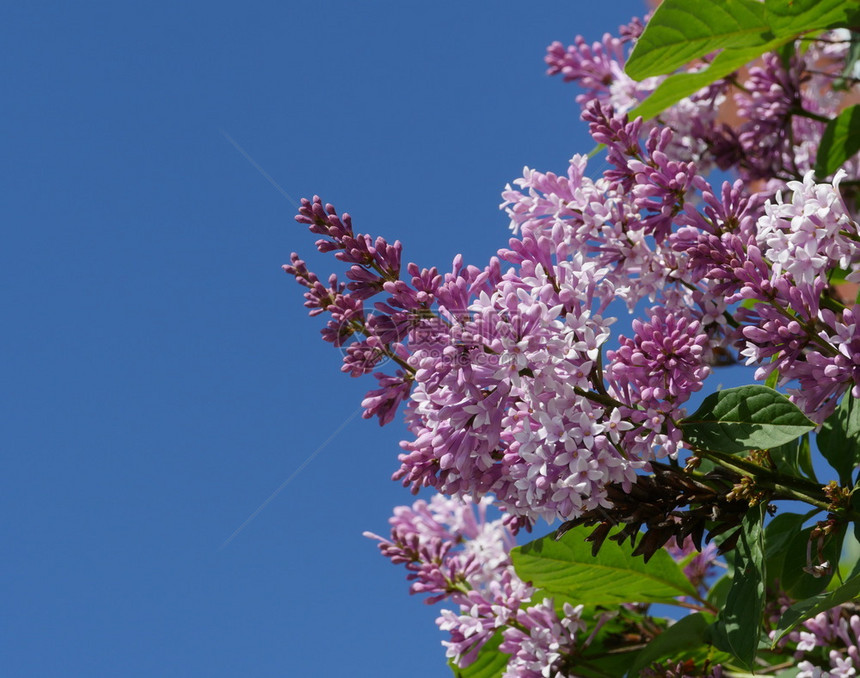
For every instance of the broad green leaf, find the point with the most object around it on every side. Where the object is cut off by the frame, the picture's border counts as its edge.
(849, 561)
(778, 534)
(838, 439)
(719, 591)
(840, 141)
(566, 570)
(804, 16)
(794, 458)
(808, 608)
(738, 628)
(490, 663)
(681, 31)
(685, 639)
(744, 418)
(676, 87)
(797, 583)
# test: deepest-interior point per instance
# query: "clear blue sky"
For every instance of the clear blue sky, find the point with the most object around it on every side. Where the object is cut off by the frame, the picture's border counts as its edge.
(161, 378)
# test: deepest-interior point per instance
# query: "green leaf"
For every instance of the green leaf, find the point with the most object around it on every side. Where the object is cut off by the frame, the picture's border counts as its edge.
(681, 31)
(840, 141)
(797, 583)
(566, 571)
(490, 663)
(808, 608)
(804, 16)
(777, 536)
(719, 591)
(676, 87)
(738, 628)
(838, 439)
(794, 459)
(744, 418)
(685, 639)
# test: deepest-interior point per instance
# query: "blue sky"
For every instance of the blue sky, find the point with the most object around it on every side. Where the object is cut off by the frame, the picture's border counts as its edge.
(161, 378)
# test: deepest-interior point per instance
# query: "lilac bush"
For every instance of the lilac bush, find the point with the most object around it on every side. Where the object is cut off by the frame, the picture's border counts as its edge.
(520, 400)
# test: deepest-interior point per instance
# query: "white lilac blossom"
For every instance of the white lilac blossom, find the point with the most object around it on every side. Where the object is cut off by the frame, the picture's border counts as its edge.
(811, 233)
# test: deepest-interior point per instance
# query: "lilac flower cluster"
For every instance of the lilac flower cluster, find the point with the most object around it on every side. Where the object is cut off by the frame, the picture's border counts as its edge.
(502, 369)
(783, 108)
(809, 338)
(598, 69)
(825, 646)
(776, 254)
(508, 391)
(836, 634)
(512, 383)
(509, 395)
(453, 552)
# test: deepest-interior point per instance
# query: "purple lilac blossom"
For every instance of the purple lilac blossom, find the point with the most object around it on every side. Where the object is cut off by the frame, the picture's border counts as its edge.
(453, 552)
(502, 371)
(831, 639)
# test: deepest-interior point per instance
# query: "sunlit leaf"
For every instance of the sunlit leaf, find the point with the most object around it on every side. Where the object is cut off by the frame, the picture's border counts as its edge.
(745, 418)
(681, 31)
(680, 85)
(804, 16)
(566, 570)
